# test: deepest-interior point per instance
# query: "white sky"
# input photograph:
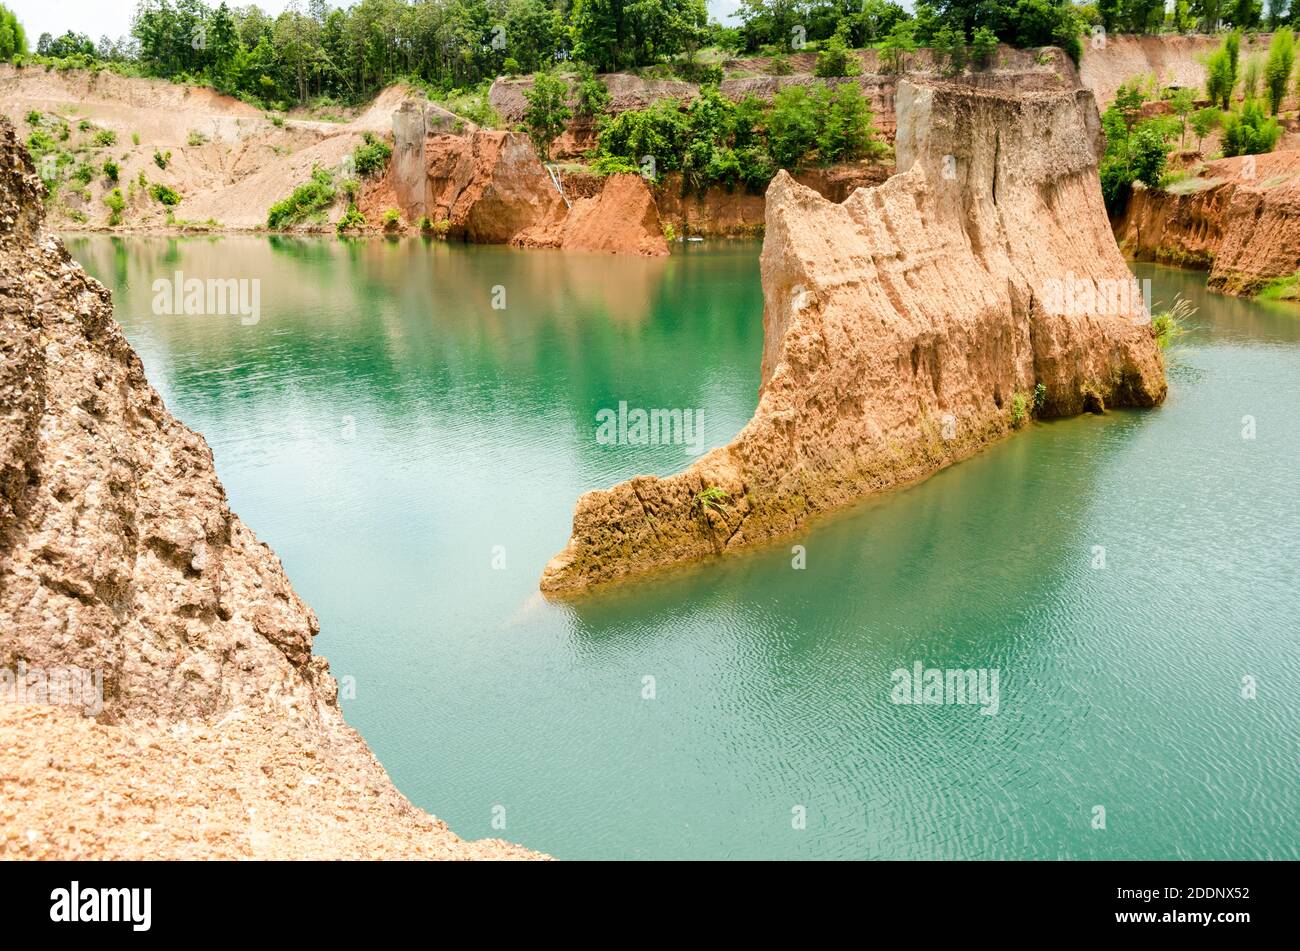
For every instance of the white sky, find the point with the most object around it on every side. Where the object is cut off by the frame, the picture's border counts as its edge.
(98, 18)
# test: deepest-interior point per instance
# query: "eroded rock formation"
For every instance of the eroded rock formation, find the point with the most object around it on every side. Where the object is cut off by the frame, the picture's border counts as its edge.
(220, 732)
(905, 328)
(1240, 220)
(621, 217)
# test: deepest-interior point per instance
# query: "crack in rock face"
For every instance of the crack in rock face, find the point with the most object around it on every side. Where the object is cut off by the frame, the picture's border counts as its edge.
(905, 328)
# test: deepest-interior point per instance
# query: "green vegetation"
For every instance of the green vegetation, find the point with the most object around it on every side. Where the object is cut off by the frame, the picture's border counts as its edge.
(1250, 131)
(1171, 323)
(352, 220)
(713, 497)
(1040, 398)
(13, 39)
(1221, 71)
(311, 198)
(391, 219)
(548, 111)
(166, 195)
(111, 171)
(116, 204)
(105, 138)
(716, 141)
(1019, 409)
(1282, 288)
(1135, 149)
(1277, 71)
(593, 97)
(196, 138)
(372, 157)
(835, 58)
(162, 158)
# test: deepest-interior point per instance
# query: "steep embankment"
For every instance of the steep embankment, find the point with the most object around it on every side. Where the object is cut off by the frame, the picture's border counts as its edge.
(905, 329)
(220, 733)
(227, 161)
(1240, 220)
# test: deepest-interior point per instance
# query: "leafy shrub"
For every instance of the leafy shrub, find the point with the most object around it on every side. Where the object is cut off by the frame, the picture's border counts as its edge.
(835, 58)
(105, 138)
(166, 195)
(196, 138)
(1250, 131)
(33, 117)
(352, 220)
(372, 157)
(111, 170)
(309, 198)
(116, 204)
(593, 97)
(162, 158)
(391, 218)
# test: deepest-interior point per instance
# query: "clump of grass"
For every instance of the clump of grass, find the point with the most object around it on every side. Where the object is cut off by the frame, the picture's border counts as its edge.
(713, 497)
(1171, 323)
(105, 137)
(352, 220)
(162, 158)
(196, 138)
(1282, 288)
(112, 170)
(392, 218)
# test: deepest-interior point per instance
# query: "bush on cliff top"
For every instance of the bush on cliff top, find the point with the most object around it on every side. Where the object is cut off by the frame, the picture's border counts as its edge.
(717, 141)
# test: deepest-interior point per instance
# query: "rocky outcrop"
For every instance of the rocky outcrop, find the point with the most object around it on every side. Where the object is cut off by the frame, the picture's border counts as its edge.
(621, 218)
(905, 329)
(120, 558)
(1240, 220)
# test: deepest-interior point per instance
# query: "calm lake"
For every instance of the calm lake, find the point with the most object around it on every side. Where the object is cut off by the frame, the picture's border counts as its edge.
(413, 453)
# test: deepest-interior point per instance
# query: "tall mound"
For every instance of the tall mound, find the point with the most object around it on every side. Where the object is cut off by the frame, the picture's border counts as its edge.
(905, 329)
(217, 732)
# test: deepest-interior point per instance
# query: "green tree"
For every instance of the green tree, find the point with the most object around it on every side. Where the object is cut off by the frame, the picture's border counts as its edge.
(1277, 71)
(984, 46)
(13, 38)
(898, 46)
(1204, 121)
(835, 58)
(547, 111)
(1182, 103)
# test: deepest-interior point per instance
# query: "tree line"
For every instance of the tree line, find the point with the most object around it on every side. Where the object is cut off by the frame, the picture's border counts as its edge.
(314, 50)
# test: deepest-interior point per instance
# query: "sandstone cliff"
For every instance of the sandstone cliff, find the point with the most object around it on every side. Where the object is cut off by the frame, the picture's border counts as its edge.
(905, 329)
(1240, 221)
(219, 732)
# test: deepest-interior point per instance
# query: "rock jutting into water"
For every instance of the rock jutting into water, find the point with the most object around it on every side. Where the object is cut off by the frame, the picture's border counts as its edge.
(905, 328)
(129, 592)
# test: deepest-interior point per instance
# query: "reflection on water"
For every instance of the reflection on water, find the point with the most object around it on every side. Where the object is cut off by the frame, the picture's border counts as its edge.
(391, 435)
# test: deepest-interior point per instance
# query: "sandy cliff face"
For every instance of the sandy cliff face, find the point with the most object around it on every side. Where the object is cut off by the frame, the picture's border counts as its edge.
(1240, 221)
(621, 218)
(119, 556)
(903, 329)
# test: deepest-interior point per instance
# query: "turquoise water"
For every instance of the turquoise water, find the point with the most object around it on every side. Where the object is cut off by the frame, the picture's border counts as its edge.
(414, 454)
